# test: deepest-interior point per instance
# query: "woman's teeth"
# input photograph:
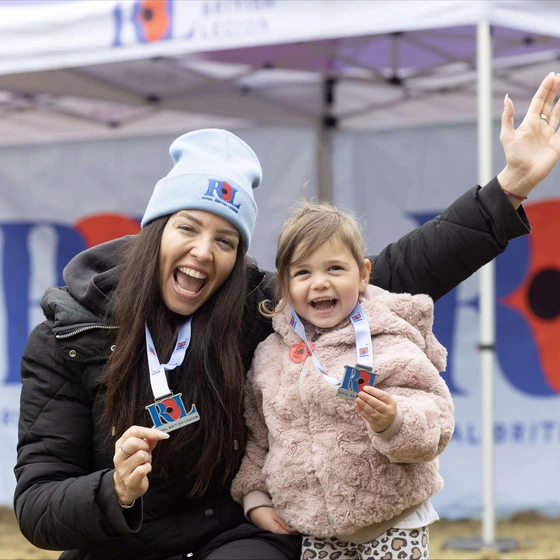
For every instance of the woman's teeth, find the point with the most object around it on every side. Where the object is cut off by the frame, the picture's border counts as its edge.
(189, 281)
(193, 273)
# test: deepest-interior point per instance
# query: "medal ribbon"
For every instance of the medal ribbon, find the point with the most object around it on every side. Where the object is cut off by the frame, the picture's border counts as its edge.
(364, 349)
(158, 378)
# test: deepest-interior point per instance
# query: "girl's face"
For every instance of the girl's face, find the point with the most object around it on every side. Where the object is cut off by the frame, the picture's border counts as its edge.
(325, 286)
(197, 253)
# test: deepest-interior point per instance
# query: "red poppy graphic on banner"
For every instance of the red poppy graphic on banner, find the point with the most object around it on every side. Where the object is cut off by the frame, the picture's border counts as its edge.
(152, 19)
(537, 299)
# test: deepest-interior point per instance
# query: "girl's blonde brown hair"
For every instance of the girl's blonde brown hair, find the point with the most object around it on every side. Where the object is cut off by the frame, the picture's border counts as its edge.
(308, 227)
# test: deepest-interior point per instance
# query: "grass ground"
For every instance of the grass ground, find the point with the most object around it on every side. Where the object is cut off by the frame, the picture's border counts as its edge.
(539, 539)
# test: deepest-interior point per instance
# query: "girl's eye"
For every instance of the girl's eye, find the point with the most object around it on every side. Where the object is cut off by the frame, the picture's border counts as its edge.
(336, 267)
(301, 273)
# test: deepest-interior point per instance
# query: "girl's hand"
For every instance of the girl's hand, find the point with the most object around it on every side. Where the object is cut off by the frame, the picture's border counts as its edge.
(133, 462)
(376, 407)
(267, 518)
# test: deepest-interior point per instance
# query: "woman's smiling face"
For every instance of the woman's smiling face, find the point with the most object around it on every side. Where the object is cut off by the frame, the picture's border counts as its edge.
(197, 253)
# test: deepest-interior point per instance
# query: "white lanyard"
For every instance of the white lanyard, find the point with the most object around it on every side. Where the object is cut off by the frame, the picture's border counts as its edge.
(158, 379)
(364, 349)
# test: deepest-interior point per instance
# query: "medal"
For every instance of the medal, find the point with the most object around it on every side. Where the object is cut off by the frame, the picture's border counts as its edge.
(168, 412)
(355, 379)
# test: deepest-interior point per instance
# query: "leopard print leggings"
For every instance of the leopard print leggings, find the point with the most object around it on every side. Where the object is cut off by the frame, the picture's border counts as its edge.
(395, 543)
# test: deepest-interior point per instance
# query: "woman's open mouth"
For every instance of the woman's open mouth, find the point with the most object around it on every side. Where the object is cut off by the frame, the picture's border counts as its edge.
(189, 281)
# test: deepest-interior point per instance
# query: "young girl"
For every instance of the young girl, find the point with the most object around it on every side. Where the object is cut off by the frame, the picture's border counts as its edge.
(354, 476)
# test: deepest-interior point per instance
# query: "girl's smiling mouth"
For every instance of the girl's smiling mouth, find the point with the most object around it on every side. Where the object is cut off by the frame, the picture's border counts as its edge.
(324, 303)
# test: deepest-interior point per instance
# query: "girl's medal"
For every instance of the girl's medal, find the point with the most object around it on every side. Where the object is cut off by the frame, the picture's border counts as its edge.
(355, 378)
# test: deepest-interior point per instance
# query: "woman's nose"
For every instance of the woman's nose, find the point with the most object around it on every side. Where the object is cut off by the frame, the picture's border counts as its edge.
(202, 249)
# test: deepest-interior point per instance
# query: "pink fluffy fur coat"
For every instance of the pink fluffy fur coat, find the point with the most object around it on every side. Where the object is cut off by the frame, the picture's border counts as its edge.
(312, 456)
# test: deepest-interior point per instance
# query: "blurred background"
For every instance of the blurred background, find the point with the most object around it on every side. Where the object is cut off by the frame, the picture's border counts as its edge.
(373, 104)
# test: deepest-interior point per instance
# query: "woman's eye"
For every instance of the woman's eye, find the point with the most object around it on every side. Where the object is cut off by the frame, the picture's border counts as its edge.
(227, 243)
(186, 228)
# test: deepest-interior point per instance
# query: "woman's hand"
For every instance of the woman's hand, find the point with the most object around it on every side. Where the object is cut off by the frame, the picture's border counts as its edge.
(267, 518)
(376, 407)
(133, 462)
(534, 148)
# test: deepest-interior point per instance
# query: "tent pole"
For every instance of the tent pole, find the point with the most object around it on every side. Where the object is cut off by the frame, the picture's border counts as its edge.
(486, 287)
(327, 123)
(324, 190)
(487, 319)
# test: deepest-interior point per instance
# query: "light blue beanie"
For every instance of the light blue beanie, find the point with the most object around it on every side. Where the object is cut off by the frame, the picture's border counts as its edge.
(215, 171)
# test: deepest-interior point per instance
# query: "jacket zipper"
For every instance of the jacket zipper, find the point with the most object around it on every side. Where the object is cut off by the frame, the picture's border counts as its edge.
(300, 381)
(257, 286)
(82, 329)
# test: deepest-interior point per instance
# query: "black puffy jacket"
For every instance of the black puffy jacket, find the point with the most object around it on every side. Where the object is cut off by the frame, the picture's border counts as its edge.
(64, 497)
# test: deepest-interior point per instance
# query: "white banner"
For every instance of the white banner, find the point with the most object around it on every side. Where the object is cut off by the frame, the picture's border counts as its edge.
(400, 179)
(45, 34)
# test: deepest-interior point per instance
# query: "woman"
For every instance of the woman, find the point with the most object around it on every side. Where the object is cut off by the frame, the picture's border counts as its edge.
(90, 371)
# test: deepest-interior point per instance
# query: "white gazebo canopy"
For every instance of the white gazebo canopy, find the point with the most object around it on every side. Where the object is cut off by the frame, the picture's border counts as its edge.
(72, 69)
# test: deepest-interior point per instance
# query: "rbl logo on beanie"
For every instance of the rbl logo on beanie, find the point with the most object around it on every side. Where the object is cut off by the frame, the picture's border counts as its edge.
(222, 193)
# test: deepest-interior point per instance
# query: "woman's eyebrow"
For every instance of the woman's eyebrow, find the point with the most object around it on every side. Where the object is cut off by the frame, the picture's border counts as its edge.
(222, 231)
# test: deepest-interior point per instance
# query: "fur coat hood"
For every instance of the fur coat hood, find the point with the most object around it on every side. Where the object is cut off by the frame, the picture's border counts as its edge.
(312, 456)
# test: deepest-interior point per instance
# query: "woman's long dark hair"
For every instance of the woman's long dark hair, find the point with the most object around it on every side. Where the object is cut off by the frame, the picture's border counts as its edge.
(211, 376)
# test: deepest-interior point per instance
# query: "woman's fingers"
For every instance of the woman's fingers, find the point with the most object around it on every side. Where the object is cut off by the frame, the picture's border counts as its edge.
(554, 118)
(138, 438)
(548, 85)
(142, 432)
(508, 126)
(131, 476)
(549, 101)
(132, 445)
(138, 458)
(133, 461)
(138, 473)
